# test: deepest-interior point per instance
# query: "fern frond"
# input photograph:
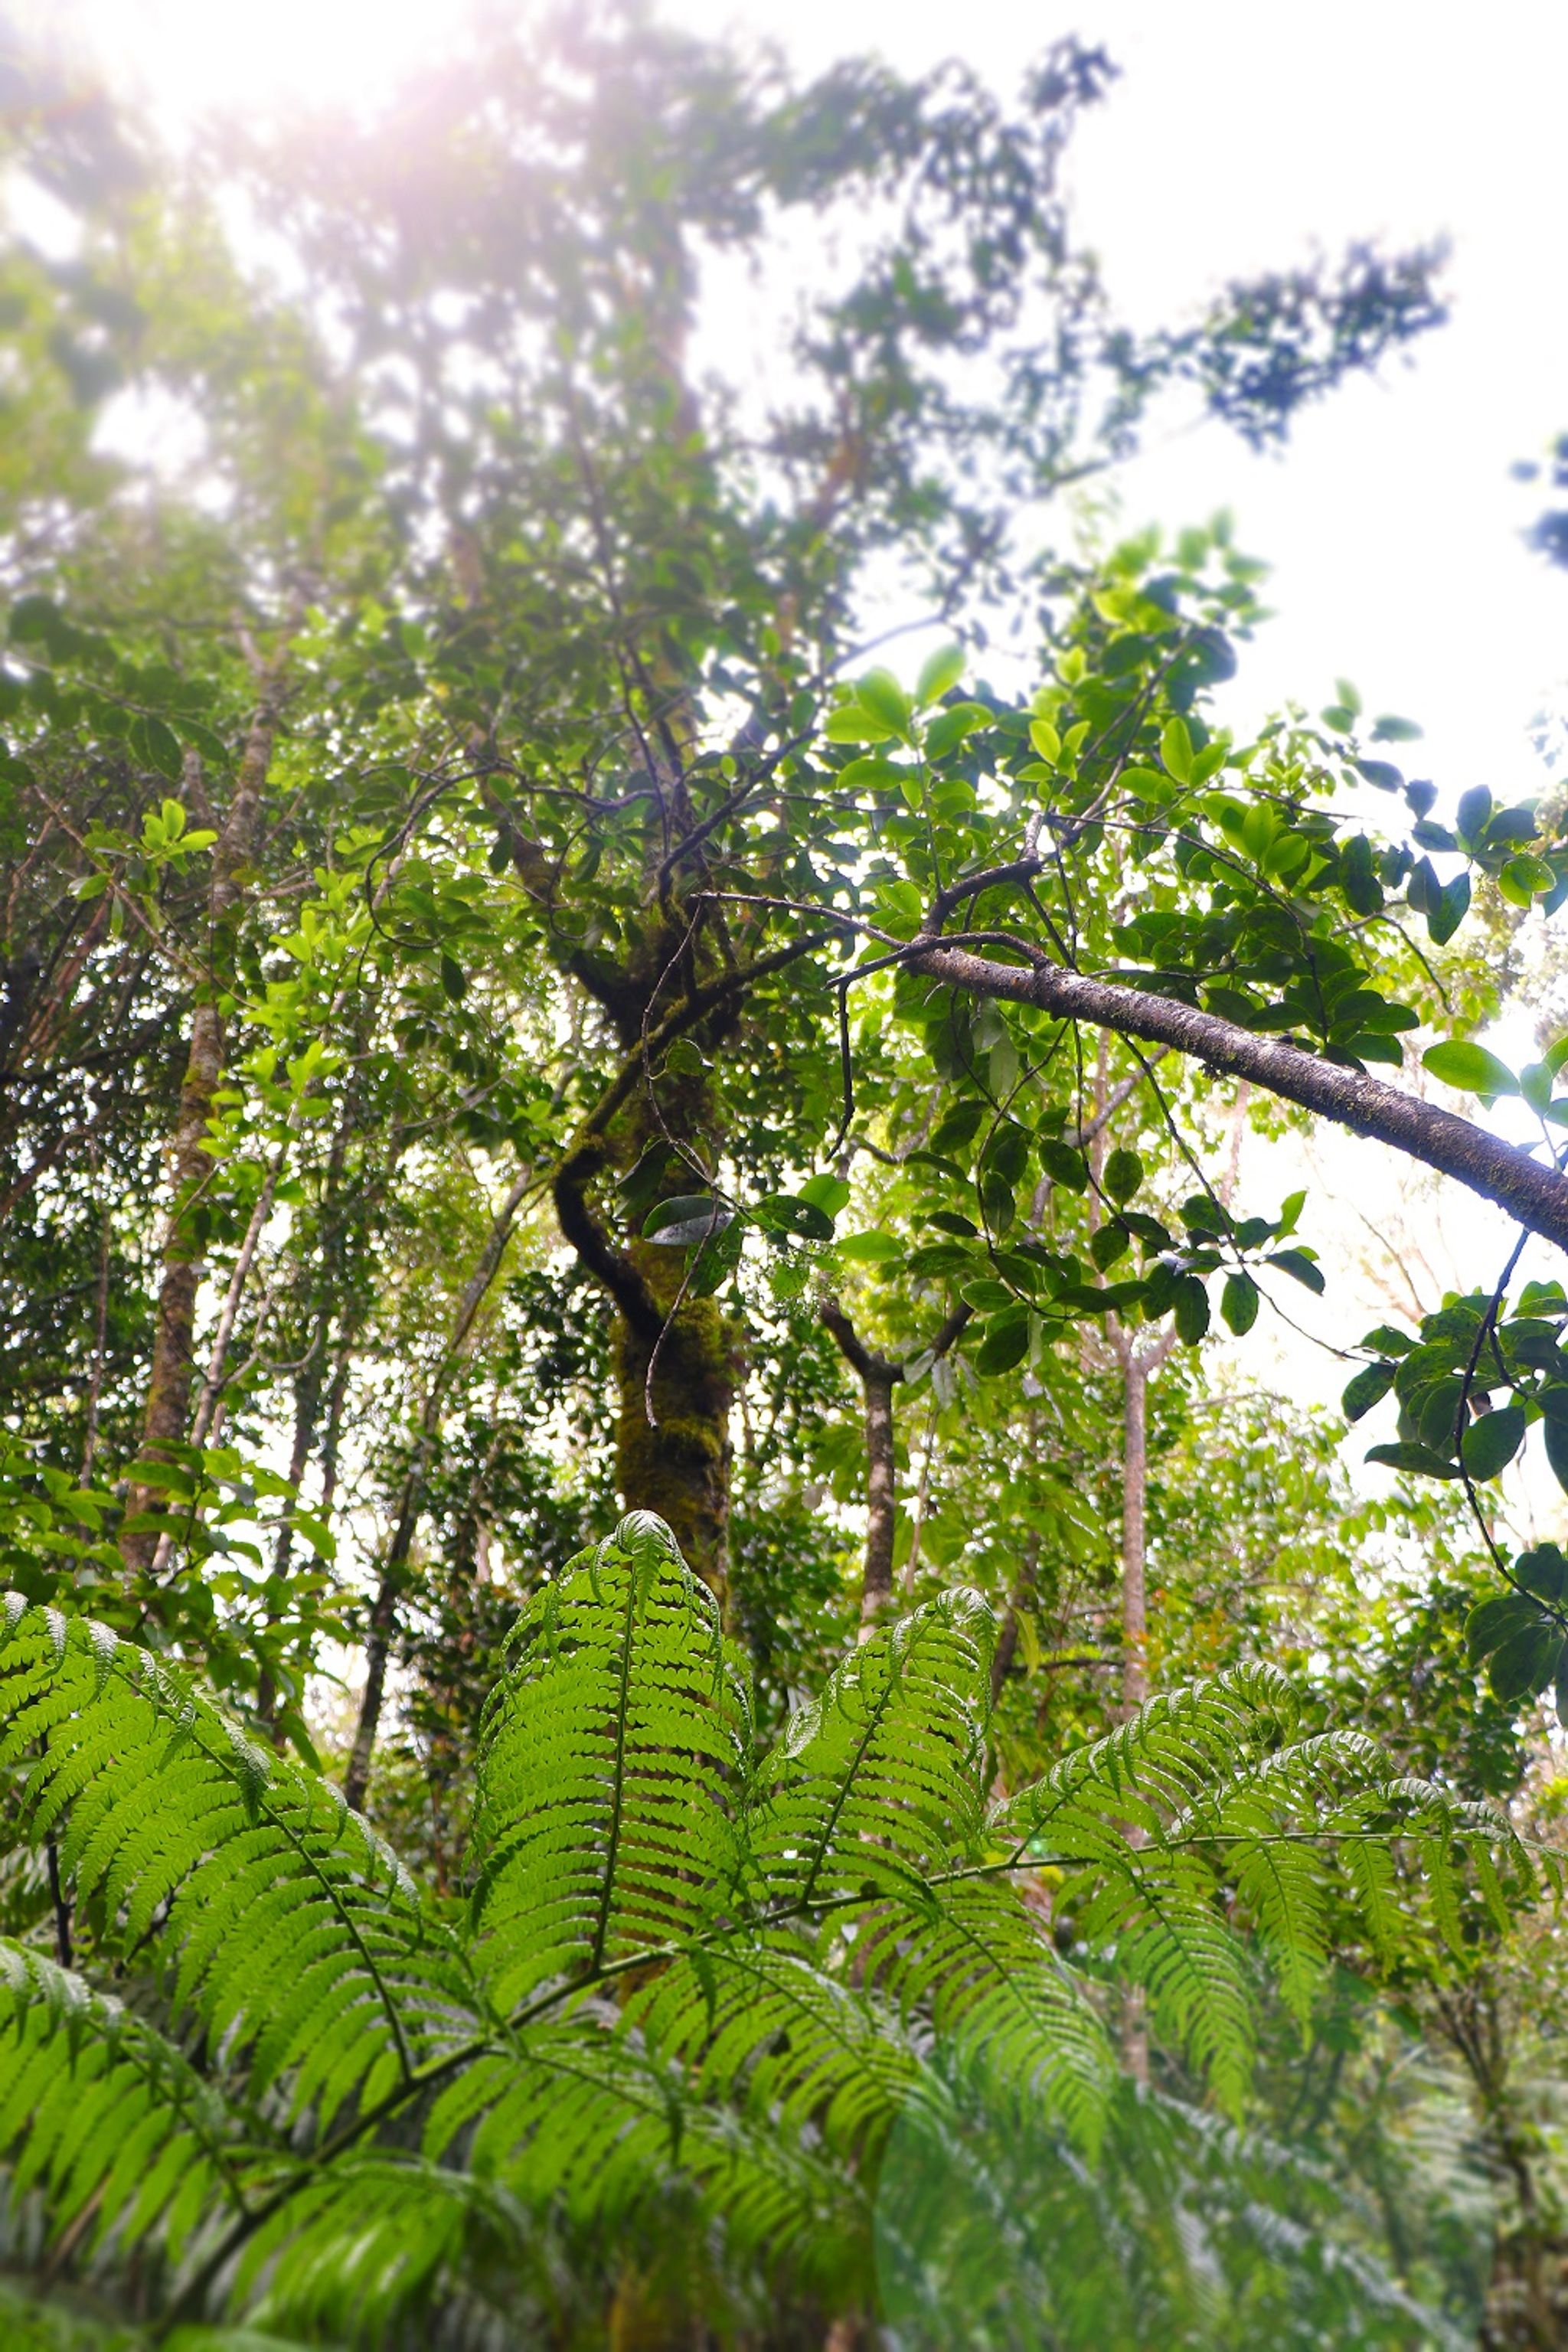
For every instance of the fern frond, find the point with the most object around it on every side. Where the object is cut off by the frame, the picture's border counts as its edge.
(980, 1961)
(1162, 1764)
(370, 2242)
(686, 1992)
(101, 2110)
(875, 1785)
(290, 1931)
(592, 2117)
(613, 1752)
(762, 2028)
(1197, 1815)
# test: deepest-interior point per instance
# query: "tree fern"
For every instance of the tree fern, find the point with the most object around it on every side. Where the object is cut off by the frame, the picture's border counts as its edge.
(613, 1752)
(686, 1970)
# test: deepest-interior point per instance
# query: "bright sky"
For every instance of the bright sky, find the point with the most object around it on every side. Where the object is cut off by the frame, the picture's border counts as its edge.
(1242, 137)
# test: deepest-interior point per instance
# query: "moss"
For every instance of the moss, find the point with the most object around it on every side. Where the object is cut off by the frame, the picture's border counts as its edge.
(680, 1467)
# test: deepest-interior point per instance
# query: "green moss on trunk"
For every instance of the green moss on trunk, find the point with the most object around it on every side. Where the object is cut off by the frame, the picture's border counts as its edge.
(679, 1465)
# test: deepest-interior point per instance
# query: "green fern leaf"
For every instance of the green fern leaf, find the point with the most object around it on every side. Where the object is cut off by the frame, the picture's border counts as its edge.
(613, 1753)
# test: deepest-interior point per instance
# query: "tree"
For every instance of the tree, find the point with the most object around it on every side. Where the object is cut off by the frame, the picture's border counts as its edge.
(590, 1030)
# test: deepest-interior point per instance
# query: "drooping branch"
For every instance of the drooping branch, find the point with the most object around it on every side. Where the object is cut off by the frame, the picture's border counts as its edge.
(1532, 1195)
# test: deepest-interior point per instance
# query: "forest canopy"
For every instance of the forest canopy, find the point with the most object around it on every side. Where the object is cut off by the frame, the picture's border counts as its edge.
(660, 1685)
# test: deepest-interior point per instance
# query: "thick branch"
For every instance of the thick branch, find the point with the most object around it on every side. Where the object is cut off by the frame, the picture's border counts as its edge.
(609, 1266)
(693, 1007)
(584, 1156)
(1534, 1196)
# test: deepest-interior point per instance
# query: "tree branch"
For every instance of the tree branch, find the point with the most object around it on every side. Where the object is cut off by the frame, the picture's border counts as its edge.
(1498, 1171)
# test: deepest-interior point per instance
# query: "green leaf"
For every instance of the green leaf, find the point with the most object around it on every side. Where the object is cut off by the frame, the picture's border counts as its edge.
(1524, 878)
(689, 1217)
(685, 1058)
(1190, 1309)
(1495, 1620)
(786, 1212)
(939, 675)
(828, 1193)
(871, 1248)
(1446, 910)
(1240, 1302)
(1063, 1165)
(1492, 1440)
(986, 1294)
(872, 772)
(1289, 1216)
(1301, 1267)
(1555, 1433)
(1005, 1341)
(880, 693)
(1368, 1387)
(1523, 1664)
(948, 728)
(1409, 1457)
(1358, 875)
(1542, 1571)
(1459, 1062)
(153, 744)
(997, 1200)
(1123, 1174)
(1535, 1086)
(717, 1258)
(1389, 1340)
(851, 722)
(1176, 750)
(1470, 818)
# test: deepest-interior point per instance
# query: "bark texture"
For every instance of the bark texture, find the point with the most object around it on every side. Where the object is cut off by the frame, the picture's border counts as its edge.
(167, 1416)
(1534, 1195)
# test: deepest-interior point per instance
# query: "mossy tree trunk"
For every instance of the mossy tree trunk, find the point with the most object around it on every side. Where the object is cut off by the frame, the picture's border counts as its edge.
(677, 1356)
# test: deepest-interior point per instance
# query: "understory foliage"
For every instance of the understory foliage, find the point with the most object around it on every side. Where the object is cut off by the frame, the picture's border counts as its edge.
(765, 2001)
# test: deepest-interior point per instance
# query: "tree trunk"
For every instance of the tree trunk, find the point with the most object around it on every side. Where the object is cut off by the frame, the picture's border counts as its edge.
(675, 1358)
(673, 1447)
(166, 1419)
(1135, 1532)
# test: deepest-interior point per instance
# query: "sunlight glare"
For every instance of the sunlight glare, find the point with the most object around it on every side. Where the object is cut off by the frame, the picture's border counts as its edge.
(184, 59)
